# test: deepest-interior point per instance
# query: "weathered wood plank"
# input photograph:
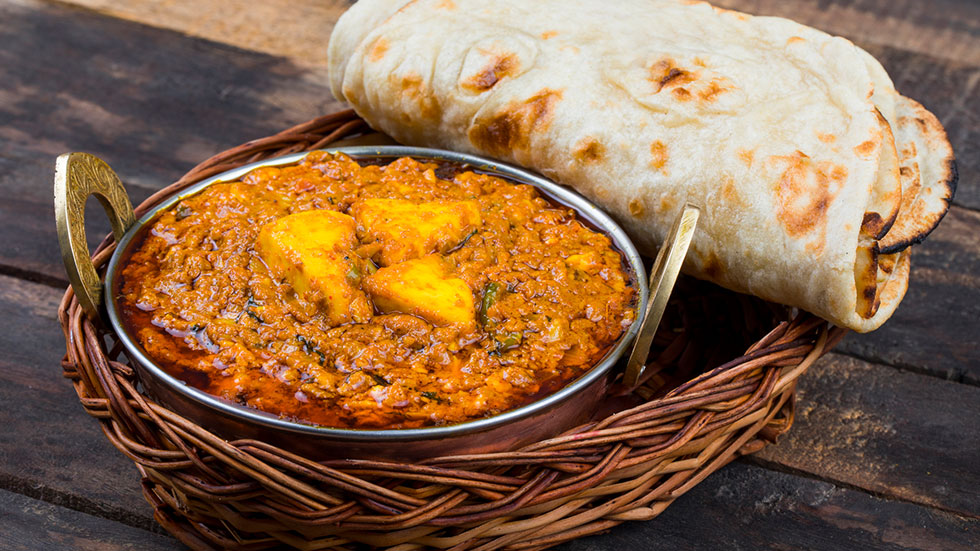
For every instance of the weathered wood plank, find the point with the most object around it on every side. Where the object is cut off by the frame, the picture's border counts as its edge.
(49, 447)
(948, 29)
(896, 434)
(79, 80)
(30, 249)
(744, 507)
(951, 90)
(899, 435)
(30, 525)
(936, 329)
(298, 29)
(151, 161)
(931, 49)
(152, 102)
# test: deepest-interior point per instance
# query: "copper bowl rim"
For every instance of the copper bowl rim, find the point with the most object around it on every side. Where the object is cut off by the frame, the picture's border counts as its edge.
(552, 190)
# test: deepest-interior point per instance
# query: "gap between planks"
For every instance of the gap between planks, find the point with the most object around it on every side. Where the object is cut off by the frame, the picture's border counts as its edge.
(958, 378)
(775, 466)
(39, 489)
(33, 276)
(75, 502)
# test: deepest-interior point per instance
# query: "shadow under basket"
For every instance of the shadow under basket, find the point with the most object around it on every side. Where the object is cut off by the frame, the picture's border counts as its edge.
(720, 382)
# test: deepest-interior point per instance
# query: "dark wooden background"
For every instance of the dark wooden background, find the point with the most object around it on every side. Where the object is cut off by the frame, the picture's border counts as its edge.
(885, 453)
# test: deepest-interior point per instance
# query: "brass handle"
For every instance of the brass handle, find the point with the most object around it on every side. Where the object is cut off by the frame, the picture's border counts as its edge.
(76, 176)
(662, 278)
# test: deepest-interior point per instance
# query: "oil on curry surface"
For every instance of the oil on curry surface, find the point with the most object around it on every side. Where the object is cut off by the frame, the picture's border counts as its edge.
(393, 296)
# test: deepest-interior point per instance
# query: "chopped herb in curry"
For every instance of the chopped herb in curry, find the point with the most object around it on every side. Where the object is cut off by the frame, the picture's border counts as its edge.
(375, 296)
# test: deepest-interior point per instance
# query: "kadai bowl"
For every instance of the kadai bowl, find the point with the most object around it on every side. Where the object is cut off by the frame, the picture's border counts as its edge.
(381, 302)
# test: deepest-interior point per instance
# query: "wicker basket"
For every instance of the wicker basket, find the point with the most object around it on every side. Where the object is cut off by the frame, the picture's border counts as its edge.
(697, 410)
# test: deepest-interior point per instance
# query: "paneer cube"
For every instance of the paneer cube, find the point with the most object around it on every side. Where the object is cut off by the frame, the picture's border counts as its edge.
(313, 251)
(423, 287)
(585, 262)
(408, 230)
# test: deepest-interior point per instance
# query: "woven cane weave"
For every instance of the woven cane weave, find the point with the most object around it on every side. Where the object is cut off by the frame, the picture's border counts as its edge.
(719, 383)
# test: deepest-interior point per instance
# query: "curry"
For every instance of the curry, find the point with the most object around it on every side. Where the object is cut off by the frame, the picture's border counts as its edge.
(367, 296)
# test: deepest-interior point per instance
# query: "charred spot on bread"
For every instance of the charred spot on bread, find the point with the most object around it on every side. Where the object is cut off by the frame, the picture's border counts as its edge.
(488, 77)
(511, 127)
(589, 151)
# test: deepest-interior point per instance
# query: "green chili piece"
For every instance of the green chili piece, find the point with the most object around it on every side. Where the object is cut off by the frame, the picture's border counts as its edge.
(510, 340)
(463, 242)
(491, 293)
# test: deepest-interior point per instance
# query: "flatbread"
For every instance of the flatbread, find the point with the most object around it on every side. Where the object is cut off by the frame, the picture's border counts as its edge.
(928, 176)
(813, 174)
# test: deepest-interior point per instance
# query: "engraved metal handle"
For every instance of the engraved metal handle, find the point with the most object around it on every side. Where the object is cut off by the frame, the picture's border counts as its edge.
(662, 278)
(76, 177)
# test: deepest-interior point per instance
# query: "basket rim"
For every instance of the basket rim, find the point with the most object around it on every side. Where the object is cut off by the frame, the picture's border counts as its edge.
(211, 493)
(564, 195)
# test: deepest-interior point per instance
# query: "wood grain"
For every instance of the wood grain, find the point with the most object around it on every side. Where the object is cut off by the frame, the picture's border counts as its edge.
(896, 434)
(931, 49)
(936, 329)
(747, 508)
(899, 435)
(224, 97)
(298, 30)
(49, 447)
(947, 29)
(152, 103)
(79, 80)
(30, 247)
(951, 90)
(30, 525)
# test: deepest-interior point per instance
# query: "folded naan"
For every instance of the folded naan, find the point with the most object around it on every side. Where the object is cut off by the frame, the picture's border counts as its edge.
(813, 174)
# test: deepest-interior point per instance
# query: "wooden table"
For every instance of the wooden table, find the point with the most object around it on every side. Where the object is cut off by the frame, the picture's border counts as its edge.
(885, 453)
